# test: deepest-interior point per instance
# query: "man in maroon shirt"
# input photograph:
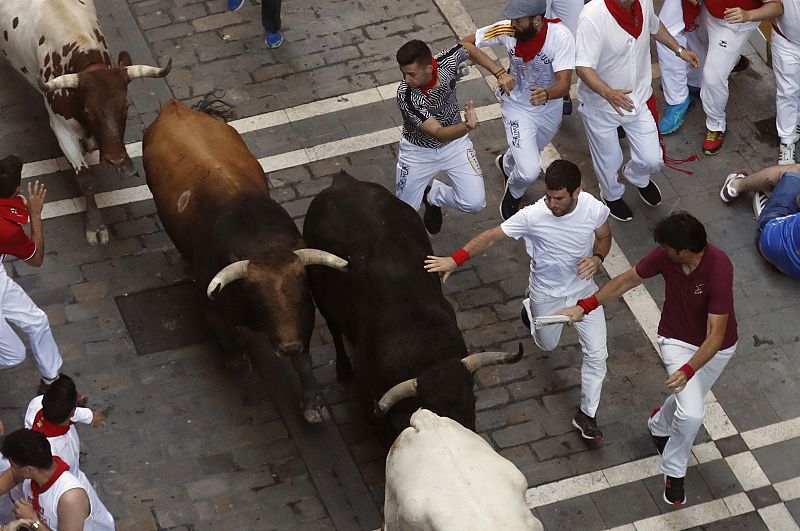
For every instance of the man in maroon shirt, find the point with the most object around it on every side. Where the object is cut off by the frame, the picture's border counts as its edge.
(16, 306)
(696, 334)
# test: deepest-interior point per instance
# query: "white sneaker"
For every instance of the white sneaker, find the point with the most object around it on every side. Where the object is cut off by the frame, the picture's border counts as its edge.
(728, 193)
(787, 154)
(759, 202)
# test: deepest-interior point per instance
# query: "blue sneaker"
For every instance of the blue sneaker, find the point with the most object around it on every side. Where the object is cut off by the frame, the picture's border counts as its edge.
(673, 116)
(273, 39)
(235, 5)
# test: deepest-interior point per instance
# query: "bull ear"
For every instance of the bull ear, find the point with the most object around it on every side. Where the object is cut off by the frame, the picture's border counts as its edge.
(124, 60)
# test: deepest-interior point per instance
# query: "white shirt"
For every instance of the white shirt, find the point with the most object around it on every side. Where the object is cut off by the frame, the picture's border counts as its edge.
(557, 54)
(789, 22)
(99, 518)
(555, 244)
(67, 446)
(621, 61)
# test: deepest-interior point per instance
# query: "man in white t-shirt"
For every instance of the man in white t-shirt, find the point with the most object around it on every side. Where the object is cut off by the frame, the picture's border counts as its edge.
(567, 235)
(614, 66)
(54, 496)
(541, 55)
(54, 415)
(786, 64)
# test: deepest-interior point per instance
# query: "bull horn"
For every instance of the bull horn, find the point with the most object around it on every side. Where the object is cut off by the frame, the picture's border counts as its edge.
(317, 257)
(399, 392)
(135, 71)
(473, 362)
(226, 275)
(66, 81)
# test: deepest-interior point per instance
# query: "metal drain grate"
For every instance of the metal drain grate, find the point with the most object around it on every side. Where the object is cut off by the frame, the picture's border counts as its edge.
(164, 318)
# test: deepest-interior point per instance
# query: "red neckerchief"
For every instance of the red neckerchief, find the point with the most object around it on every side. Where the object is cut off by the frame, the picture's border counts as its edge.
(47, 428)
(434, 79)
(630, 22)
(36, 490)
(14, 209)
(528, 49)
(690, 14)
(668, 162)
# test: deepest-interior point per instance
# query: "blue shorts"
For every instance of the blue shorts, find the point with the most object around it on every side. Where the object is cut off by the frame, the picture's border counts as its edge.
(778, 233)
(782, 202)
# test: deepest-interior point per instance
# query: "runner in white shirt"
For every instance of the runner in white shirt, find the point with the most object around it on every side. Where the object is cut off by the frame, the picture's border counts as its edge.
(54, 496)
(613, 64)
(786, 64)
(541, 55)
(567, 235)
(54, 415)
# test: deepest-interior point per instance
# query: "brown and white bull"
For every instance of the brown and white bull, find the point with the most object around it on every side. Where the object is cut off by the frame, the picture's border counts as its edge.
(441, 476)
(213, 198)
(59, 47)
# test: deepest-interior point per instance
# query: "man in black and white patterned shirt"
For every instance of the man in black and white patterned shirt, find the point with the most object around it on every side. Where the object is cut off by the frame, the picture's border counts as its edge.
(434, 136)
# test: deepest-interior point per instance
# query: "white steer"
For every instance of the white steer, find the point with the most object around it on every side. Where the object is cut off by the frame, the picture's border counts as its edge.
(441, 476)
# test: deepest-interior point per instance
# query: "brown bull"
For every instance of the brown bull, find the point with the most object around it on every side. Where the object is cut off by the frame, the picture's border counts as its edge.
(213, 199)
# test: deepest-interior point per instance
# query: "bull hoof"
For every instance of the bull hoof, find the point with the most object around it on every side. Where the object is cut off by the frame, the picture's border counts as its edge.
(316, 415)
(99, 236)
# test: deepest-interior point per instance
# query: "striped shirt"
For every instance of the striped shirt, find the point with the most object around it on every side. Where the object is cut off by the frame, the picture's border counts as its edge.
(440, 102)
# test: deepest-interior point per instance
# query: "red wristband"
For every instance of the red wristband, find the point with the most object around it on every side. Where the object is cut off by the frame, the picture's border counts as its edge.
(460, 256)
(687, 370)
(588, 304)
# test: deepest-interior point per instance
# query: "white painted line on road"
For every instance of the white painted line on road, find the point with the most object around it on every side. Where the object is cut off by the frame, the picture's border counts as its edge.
(774, 433)
(566, 489)
(739, 504)
(692, 516)
(789, 489)
(747, 470)
(777, 517)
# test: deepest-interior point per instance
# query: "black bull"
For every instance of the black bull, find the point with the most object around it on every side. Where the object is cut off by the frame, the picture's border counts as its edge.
(404, 338)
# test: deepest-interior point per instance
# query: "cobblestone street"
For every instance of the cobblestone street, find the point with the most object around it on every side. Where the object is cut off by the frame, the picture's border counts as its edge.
(198, 439)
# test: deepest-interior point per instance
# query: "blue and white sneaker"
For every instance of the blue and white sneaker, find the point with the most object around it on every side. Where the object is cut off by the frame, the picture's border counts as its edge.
(673, 116)
(273, 39)
(235, 5)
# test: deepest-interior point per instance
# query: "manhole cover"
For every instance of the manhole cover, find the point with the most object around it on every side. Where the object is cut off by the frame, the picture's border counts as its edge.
(164, 318)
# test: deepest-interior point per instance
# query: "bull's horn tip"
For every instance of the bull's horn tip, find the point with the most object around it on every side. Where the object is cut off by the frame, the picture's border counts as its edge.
(213, 290)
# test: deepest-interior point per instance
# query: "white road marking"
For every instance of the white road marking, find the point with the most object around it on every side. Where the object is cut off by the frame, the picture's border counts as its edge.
(747, 470)
(774, 433)
(778, 517)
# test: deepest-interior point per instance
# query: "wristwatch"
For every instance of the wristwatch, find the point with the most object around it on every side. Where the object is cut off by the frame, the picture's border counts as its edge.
(679, 51)
(36, 526)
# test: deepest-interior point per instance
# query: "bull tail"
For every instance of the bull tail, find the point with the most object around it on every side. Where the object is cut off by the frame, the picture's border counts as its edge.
(213, 105)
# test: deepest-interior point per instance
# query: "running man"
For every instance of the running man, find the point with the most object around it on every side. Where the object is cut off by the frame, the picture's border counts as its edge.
(696, 335)
(786, 64)
(567, 236)
(541, 55)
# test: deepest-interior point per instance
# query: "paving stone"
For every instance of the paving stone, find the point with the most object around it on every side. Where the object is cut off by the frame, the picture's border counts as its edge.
(794, 509)
(490, 398)
(518, 434)
(763, 496)
(749, 521)
(575, 513)
(624, 504)
(731, 445)
(780, 461)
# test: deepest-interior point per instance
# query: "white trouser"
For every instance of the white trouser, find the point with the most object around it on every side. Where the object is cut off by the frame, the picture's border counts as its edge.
(725, 43)
(646, 156)
(417, 166)
(17, 308)
(591, 335)
(567, 10)
(786, 64)
(527, 133)
(682, 413)
(676, 74)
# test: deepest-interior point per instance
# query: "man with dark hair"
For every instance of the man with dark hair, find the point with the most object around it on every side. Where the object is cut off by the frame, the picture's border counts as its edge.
(567, 236)
(16, 307)
(777, 236)
(55, 414)
(54, 496)
(696, 334)
(434, 136)
(541, 55)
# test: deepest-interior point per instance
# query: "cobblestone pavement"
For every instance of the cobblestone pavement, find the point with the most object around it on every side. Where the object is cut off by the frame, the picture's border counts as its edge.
(200, 440)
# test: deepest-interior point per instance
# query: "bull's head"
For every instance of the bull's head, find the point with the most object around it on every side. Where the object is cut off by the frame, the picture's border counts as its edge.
(277, 291)
(446, 389)
(103, 96)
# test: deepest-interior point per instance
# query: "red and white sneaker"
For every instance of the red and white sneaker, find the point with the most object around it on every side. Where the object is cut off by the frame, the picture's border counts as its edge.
(728, 193)
(713, 142)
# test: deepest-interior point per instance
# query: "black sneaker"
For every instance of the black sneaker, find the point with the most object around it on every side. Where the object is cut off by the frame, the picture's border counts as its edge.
(567, 109)
(673, 491)
(433, 214)
(742, 64)
(658, 440)
(619, 209)
(650, 194)
(587, 426)
(621, 132)
(509, 205)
